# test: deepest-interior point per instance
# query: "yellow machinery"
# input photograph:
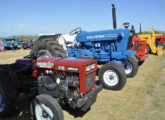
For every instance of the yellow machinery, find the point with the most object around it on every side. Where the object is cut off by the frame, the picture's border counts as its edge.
(151, 43)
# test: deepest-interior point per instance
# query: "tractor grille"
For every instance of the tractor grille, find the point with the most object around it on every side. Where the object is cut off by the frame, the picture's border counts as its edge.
(132, 33)
(129, 45)
(90, 80)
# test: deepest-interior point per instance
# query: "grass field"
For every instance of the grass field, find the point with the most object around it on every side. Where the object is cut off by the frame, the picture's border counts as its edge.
(142, 98)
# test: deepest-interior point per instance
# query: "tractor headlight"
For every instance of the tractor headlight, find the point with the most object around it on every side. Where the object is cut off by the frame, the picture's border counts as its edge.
(61, 67)
(87, 68)
(97, 45)
(90, 67)
(72, 68)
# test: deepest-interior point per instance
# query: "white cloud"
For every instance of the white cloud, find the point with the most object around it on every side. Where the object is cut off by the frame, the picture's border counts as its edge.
(23, 25)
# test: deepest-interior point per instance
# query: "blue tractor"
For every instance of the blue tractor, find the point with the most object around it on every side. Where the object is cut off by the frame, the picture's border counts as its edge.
(110, 48)
(7, 43)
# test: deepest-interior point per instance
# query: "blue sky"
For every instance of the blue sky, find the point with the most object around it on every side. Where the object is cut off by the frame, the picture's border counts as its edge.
(32, 17)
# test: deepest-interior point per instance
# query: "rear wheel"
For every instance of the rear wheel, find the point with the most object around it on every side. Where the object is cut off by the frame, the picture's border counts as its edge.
(112, 76)
(44, 107)
(132, 68)
(8, 96)
(47, 47)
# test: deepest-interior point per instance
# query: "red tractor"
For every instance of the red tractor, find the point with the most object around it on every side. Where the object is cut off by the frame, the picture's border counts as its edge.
(160, 40)
(52, 82)
(140, 47)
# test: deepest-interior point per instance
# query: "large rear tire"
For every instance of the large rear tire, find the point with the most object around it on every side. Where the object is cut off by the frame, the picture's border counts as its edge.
(132, 69)
(8, 96)
(45, 107)
(47, 47)
(112, 76)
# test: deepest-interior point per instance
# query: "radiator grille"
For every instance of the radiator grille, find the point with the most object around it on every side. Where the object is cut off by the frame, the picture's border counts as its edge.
(129, 45)
(90, 80)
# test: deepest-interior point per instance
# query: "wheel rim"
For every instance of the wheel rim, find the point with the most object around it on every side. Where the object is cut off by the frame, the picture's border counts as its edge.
(111, 78)
(128, 68)
(43, 112)
(2, 104)
(44, 54)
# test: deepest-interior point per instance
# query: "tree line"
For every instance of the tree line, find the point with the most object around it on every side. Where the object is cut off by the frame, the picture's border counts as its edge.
(157, 32)
(23, 37)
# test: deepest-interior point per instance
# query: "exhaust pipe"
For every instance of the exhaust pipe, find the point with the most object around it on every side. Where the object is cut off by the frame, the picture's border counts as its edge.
(140, 29)
(114, 16)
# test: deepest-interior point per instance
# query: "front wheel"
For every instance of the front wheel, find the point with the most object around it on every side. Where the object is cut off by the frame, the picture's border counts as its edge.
(112, 76)
(131, 68)
(45, 107)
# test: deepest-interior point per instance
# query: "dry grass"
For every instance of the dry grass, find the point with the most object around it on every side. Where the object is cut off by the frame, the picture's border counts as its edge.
(8, 57)
(154, 108)
(136, 101)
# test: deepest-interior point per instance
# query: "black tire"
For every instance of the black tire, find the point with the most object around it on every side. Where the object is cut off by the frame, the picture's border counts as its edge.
(51, 103)
(50, 45)
(114, 70)
(8, 93)
(133, 64)
(148, 50)
(140, 62)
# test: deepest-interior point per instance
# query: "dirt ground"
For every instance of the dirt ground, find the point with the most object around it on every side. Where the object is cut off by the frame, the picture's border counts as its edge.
(142, 98)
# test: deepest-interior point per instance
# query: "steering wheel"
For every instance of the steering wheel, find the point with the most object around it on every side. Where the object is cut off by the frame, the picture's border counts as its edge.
(75, 31)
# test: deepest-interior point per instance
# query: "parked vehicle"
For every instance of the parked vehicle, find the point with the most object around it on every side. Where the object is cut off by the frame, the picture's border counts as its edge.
(140, 47)
(7, 43)
(51, 82)
(28, 43)
(151, 43)
(160, 40)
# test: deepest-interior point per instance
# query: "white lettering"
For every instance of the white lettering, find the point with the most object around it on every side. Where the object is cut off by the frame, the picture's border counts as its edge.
(101, 36)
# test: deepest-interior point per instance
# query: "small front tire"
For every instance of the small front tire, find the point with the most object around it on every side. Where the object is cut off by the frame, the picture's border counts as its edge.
(45, 107)
(132, 69)
(112, 76)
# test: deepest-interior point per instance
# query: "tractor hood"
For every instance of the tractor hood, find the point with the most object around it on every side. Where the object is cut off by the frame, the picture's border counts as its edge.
(85, 36)
(121, 37)
(66, 64)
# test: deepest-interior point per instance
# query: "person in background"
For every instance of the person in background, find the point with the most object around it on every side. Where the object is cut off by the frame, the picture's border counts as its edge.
(1, 46)
(12, 45)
